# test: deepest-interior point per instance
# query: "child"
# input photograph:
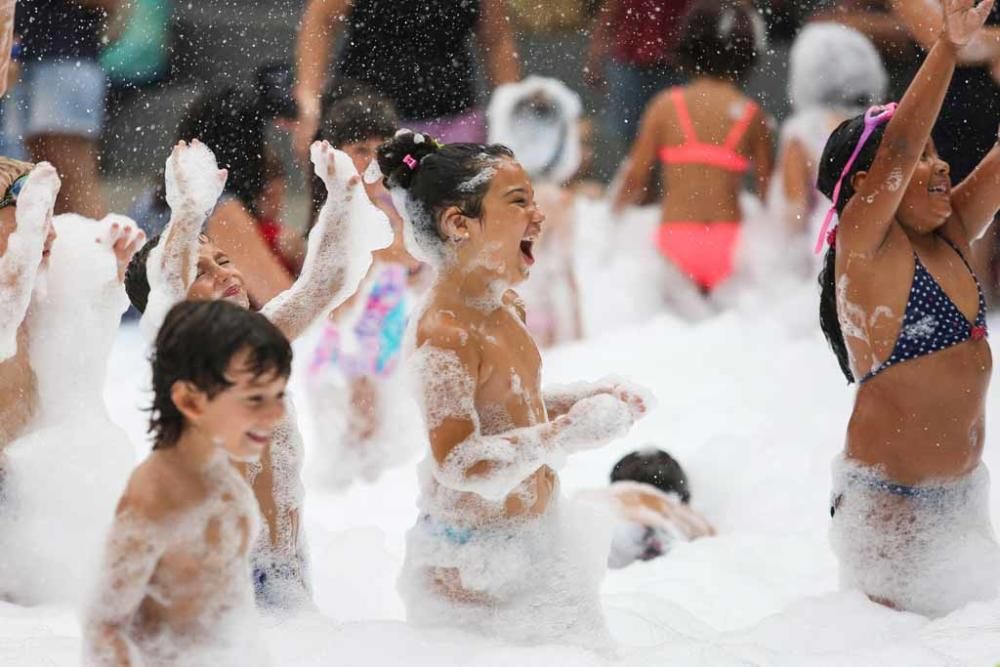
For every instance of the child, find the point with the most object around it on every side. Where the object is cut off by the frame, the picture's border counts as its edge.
(904, 313)
(187, 265)
(361, 342)
(174, 586)
(538, 119)
(707, 135)
(834, 73)
(650, 494)
(61, 304)
(494, 548)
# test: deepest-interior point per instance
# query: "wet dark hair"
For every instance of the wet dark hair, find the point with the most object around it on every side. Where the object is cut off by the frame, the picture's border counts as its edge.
(196, 344)
(720, 38)
(836, 153)
(656, 468)
(136, 278)
(348, 120)
(446, 175)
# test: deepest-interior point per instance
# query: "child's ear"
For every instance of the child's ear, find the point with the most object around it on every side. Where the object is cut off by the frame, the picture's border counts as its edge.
(454, 225)
(858, 179)
(188, 399)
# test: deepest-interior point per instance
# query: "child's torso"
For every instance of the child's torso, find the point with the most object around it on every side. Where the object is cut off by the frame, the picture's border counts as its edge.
(922, 417)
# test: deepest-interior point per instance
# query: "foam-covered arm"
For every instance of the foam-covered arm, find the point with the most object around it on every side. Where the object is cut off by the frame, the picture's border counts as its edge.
(348, 229)
(130, 559)
(494, 465)
(560, 399)
(194, 183)
(19, 262)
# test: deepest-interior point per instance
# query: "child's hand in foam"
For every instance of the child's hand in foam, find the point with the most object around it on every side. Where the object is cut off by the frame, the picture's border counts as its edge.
(336, 170)
(638, 399)
(194, 181)
(123, 238)
(37, 200)
(593, 422)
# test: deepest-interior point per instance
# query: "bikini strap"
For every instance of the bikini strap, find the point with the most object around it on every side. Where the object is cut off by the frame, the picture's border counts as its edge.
(741, 126)
(957, 252)
(683, 117)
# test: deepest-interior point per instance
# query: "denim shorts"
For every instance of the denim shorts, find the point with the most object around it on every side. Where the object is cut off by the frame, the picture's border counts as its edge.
(64, 97)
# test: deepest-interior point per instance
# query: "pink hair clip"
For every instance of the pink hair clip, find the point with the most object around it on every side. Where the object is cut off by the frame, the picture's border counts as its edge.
(410, 161)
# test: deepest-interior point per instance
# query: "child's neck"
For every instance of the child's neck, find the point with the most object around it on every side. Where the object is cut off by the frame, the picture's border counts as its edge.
(196, 449)
(477, 288)
(703, 80)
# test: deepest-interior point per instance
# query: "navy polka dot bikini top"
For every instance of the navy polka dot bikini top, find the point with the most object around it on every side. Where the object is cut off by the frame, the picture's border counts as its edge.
(932, 321)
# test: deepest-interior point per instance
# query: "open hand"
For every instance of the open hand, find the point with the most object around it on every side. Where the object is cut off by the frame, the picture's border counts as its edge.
(963, 19)
(124, 239)
(336, 171)
(194, 181)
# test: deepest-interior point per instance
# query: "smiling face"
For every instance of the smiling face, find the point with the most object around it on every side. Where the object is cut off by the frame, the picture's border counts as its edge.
(241, 418)
(926, 204)
(216, 278)
(503, 239)
(363, 152)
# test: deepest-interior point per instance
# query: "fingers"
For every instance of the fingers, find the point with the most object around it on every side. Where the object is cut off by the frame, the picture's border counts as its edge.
(984, 9)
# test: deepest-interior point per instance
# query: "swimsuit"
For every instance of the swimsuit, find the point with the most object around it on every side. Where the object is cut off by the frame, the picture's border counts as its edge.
(704, 250)
(377, 333)
(932, 322)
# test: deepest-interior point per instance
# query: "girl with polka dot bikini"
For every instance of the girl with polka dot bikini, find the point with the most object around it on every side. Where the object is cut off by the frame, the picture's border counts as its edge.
(905, 315)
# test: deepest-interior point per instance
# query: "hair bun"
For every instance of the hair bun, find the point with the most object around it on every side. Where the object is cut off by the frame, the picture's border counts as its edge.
(400, 158)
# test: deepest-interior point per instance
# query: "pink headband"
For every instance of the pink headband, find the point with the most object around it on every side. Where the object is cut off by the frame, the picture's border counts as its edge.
(874, 117)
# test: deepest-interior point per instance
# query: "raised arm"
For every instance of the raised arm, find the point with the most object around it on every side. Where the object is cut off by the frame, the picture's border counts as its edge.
(22, 244)
(497, 42)
(133, 549)
(6, 40)
(925, 26)
(639, 166)
(349, 227)
(867, 218)
(321, 21)
(493, 466)
(193, 185)
(977, 199)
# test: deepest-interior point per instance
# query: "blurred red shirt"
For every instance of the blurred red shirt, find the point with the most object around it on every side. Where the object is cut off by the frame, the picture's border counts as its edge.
(645, 32)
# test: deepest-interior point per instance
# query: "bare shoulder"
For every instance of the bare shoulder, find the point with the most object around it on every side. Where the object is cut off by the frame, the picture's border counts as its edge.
(154, 491)
(443, 328)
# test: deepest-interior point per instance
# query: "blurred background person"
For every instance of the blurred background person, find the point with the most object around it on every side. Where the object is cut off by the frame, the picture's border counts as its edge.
(418, 55)
(60, 99)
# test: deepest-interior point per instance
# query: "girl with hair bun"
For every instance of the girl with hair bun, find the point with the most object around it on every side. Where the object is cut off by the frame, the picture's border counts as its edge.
(491, 549)
(905, 315)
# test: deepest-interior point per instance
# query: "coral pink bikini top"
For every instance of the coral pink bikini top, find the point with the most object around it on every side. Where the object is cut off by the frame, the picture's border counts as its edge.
(693, 151)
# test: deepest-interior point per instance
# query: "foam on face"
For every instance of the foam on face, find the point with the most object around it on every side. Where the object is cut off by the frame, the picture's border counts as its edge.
(930, 551)
(73, 461)
(19, 265)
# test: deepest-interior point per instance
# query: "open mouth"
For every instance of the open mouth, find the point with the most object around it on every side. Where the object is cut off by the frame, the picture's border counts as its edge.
(259, 437)
(938, 189)
(527, 245)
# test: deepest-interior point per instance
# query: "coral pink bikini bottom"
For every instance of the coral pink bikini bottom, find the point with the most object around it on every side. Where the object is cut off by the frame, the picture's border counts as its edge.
(704, 251)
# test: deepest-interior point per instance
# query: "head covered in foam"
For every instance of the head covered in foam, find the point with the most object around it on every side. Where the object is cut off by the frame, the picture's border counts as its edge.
(426, 177)
(538, 118)
(834, 66)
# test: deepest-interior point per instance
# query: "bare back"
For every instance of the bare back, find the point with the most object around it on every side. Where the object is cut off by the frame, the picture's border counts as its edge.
(18, 392)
